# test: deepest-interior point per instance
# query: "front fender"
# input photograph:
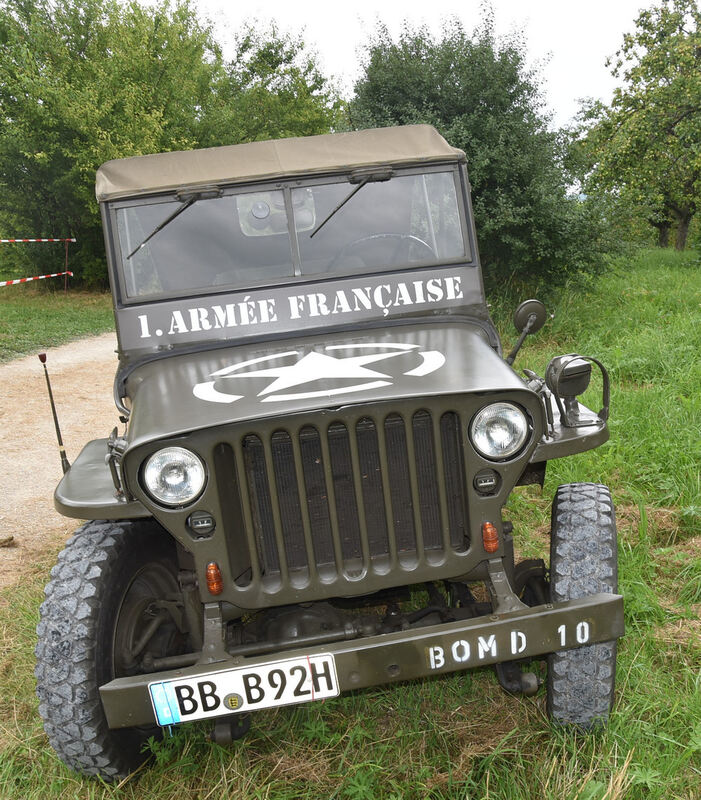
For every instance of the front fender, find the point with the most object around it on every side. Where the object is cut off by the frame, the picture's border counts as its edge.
(87, 491)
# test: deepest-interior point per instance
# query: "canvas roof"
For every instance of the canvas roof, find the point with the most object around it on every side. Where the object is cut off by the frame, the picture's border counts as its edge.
(239, 163)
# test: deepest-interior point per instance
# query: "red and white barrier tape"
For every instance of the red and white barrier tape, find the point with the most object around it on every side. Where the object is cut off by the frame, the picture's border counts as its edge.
(9, 241)
(35, 278)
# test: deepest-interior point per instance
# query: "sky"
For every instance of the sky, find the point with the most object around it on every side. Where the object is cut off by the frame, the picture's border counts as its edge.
(567, 40)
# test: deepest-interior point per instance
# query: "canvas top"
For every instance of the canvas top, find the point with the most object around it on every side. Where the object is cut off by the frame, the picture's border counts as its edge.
(239, 163)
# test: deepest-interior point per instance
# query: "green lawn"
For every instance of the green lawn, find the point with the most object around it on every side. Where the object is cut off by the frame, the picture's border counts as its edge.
(462, 737)
(32, 319)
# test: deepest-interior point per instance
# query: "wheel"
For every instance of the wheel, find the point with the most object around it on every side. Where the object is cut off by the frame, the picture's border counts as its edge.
(113, 599)
(583, 561)
(380, 239)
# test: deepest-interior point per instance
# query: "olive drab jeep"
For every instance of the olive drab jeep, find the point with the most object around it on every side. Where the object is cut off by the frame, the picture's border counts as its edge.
(316, 434)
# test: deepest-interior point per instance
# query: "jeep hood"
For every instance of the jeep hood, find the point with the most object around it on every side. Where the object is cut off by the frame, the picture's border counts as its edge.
(184, 393)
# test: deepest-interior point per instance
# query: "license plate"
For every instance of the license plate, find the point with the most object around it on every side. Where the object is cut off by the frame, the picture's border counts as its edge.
(276, 683)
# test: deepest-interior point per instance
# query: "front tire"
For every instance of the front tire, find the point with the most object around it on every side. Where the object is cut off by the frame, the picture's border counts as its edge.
(103, 593)
(583, 561)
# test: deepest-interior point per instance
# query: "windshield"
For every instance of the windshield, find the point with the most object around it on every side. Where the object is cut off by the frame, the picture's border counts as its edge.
(245, 238)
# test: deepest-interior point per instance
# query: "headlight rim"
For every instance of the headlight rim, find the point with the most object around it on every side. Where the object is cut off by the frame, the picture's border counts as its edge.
(181, 503)
(527, 438)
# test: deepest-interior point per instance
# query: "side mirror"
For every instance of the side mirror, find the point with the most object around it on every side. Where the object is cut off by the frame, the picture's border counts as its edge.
(523, 314)
(529, 317)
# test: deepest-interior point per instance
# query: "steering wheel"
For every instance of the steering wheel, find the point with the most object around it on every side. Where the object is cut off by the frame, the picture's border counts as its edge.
(401, 238)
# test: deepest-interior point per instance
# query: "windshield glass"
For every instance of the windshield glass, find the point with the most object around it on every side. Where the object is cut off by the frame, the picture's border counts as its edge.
(241, 239)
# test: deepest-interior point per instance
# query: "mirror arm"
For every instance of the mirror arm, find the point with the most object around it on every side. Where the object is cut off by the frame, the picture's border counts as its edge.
(527, 329)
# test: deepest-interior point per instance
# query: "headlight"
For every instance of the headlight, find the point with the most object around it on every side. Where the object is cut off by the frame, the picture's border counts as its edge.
(174, 476)
(499, 430)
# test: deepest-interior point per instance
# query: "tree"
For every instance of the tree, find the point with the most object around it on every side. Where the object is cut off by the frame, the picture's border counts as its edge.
(645, 148)
(86, 81)
(273, 88)
(479, 94)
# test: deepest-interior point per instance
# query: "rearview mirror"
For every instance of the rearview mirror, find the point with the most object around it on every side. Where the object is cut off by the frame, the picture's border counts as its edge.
(523, 314)
(529, 317)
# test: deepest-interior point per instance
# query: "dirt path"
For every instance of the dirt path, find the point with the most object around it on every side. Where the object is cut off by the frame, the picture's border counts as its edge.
(81, 376)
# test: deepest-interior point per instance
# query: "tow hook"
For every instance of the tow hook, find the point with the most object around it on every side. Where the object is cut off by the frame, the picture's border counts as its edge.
(514, 681)
(228, 729)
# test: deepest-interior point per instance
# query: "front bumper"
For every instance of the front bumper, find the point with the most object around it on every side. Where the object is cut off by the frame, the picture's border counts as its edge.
(406, 655)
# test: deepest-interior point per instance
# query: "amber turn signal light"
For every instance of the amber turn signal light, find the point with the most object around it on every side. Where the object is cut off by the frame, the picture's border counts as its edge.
(490, 537)
(215, 583)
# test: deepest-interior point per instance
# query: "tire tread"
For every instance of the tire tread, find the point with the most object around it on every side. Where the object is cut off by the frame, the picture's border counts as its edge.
(67, 685)
(583, 561)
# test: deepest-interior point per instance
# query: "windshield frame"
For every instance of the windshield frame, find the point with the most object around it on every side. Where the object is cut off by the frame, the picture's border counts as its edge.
(119, 277)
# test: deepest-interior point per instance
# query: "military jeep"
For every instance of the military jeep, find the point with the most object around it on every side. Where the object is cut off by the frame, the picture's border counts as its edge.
(318, 433)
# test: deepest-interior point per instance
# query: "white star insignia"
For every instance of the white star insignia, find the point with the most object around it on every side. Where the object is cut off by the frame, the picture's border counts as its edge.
(317, 366)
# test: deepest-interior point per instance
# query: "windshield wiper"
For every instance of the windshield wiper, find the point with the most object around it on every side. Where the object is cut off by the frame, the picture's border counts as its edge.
(361, 177)
(188, 199)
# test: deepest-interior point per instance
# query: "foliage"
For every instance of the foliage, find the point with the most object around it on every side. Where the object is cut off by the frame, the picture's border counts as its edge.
(273, 88)
(645, 148)
(477, 91)
(86, 81)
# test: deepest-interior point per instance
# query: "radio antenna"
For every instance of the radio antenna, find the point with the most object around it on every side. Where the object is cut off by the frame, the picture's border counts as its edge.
(61, 449)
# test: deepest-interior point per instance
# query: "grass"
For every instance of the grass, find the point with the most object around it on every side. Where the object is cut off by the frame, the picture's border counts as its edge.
(32, 318)
(461, 736)
(643, 321)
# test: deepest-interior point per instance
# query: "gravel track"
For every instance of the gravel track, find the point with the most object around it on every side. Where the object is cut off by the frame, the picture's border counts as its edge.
(81, 377)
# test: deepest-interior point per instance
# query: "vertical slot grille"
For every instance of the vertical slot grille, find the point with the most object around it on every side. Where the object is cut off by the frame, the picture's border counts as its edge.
(399, 485)
(427, 476)
(343, 490)
(371, 485)
(360, 495)
(317, 500)
(454, 473)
